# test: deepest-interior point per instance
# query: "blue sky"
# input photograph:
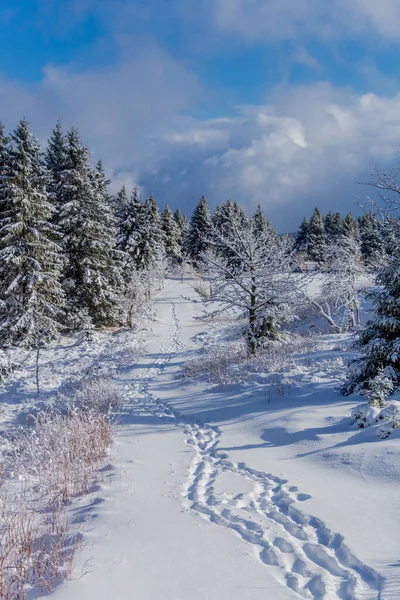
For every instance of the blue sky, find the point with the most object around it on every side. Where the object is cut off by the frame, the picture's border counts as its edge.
(283, 102)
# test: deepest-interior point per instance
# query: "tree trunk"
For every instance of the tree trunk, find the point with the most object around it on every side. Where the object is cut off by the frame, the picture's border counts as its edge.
(37, 369)
(252, 318)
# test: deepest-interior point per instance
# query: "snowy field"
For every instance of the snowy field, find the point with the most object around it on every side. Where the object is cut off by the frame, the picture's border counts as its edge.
(257, 487)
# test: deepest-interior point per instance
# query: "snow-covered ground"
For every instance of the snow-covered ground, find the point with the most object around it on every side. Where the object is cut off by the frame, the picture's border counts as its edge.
(252, 490)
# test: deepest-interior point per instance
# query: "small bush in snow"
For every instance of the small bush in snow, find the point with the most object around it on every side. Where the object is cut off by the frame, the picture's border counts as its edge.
(365, 415)
(98, 394)
(379, 388)
(216, 364)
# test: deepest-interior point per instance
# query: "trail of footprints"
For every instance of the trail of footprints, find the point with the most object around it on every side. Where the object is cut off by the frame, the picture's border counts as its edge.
(304, 554)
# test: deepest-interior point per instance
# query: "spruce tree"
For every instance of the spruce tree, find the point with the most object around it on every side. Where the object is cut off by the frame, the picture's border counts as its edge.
(131, 222)
(88, 231)
(302, 237)
(370, 238)
(183, 226)
(119, 203)
(261, 225)
(316, 238)
(379, 342)
(30, 259)
(153, 234)
(56, 162)
(199, 234)
(350, 227)
(172, 235)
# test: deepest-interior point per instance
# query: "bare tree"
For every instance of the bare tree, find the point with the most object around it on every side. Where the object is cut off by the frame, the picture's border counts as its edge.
(250, 270)
(339, 287)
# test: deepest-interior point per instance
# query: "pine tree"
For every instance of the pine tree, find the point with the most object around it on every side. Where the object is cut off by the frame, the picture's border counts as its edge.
(172, 236)
(119, 203)
(302, 237)
(350, 227)
(153, 234)
(370, 238)
(88, 231)
(261, 225)
(183, 226)
(131, 221)
(379, 342)
(316, 238)
(56, 161)
(30, 259)
(199, 234)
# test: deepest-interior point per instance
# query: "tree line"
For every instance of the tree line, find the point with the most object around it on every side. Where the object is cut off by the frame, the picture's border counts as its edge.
(74, 257)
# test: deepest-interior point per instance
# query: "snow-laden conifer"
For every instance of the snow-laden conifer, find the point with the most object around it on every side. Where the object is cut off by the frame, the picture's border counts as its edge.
(30, 258)
(88, 236)
(379, 342)
(56, 156)
(196, 241)
(302, 237)
(171, 236)
(316, 237)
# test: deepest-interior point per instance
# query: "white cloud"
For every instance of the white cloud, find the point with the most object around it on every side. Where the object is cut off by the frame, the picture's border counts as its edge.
(115, 108)
(310, 146)
(283, 19)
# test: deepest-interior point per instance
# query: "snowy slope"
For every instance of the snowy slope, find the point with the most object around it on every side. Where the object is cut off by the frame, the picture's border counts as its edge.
(238, 492)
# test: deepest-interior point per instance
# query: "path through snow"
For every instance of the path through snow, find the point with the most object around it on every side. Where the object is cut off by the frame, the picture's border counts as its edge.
(287, 545)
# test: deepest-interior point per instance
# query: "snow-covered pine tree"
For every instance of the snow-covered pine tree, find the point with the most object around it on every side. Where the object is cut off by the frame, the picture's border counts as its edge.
(119, 203)
(31, 296)
(130, 215)
(316, 237)
(261, 224)
(379, 342)
(370, 238)
(350, 226)
(302, 237)
(183, 226)
(223, 218)
(56, 156)
(153, 234)
(334, 226)
(196, 240)
(172, 236)
(108, 308)
(88, 236)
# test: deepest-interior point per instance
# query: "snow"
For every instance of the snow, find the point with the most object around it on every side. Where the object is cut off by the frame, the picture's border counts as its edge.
(242, 491)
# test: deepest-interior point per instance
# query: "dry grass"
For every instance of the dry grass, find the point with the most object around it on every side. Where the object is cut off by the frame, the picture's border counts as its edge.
(48, 465)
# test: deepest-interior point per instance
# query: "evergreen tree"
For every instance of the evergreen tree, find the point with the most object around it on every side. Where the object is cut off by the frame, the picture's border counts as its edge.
(30, 259)
(199, 234)
(88, 231)
(370, 238)
(130, 217)
(379, 342)
(316, 238)
(153, 234)
(334, 226)
(119, 203)
(56, 162)
(172, 235)
(350, 227)
(226, 218)
(261, 225)
(302, 237)
(183, 226)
